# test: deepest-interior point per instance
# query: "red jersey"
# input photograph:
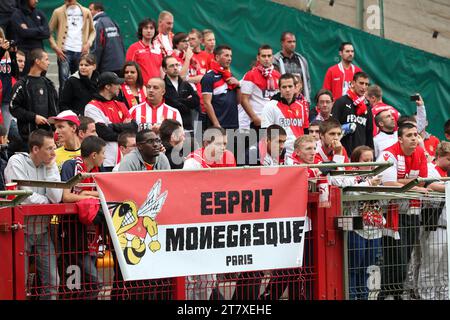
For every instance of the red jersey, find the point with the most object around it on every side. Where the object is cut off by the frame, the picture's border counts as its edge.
(146, 113)
(337, 79)
(380, 107)
(404, 167)
(148, 58)
(200, 64)
(431, 144)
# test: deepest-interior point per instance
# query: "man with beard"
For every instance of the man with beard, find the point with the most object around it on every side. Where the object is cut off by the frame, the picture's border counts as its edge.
(338, 77)
(388, 135)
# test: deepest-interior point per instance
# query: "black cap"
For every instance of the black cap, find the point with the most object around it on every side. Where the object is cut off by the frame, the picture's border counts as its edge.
(109, 78)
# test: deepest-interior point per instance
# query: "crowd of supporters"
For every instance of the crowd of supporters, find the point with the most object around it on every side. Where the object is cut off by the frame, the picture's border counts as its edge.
(170, 101)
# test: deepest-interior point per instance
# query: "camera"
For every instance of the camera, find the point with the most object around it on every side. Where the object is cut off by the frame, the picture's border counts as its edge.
(414, 97)
(12, 43)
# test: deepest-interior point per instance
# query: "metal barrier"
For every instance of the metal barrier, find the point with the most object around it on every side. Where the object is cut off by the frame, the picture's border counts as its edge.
(64, 261)
(395, 244)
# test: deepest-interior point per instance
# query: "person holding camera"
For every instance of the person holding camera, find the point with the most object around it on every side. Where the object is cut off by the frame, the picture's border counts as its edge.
(9, 71)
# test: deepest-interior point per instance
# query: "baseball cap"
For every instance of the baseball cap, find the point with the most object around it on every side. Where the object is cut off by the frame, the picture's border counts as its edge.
(109, 78)
(66, 115)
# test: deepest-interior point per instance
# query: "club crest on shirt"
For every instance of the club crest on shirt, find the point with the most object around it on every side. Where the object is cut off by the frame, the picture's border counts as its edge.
(386, 157)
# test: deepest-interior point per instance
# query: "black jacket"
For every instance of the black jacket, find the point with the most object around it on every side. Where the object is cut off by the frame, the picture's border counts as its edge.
(22, 106)
(344, 111)
(108, 46)
(184, 100)
(111, 131)
(37, 27)
(77, 92)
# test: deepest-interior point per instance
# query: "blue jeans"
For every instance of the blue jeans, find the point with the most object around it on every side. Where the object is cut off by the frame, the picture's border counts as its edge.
(9, 121)
(67, 67)
(41, 246)
(363, 254)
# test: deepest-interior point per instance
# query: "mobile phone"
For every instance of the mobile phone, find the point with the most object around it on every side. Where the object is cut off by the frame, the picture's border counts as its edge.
(414, 97)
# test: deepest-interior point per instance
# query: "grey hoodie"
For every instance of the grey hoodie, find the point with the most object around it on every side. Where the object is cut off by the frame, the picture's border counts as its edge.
(21, 167)
(134, 162)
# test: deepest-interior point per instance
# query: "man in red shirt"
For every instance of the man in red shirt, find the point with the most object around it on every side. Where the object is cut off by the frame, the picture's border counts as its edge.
(338, 77)
(402, 230)
(144, 53)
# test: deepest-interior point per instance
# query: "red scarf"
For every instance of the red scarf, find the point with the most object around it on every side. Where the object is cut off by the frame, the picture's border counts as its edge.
(359, 102)
(226, 74)
(129, 96)
(80, 167)
(165, 51)
(267, 74)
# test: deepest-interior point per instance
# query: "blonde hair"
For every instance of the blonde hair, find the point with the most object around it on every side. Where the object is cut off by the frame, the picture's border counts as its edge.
(303, 139)
(443, 149)
(164, 14)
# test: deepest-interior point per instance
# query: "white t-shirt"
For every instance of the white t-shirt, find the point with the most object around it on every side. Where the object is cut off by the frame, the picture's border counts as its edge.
(74, 41)
(383, 141)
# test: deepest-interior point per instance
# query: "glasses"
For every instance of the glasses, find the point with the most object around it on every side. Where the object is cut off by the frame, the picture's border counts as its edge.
(152, 141)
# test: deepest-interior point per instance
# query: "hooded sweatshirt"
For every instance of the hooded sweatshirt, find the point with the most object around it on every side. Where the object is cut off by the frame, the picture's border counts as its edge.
(37, 27)
(21, 167)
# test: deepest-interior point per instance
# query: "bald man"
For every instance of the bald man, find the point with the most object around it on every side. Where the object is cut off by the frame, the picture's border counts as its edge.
(153, 111)
(165, 34)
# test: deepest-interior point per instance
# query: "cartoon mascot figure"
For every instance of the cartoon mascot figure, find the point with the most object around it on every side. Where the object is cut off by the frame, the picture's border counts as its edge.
(132, 224)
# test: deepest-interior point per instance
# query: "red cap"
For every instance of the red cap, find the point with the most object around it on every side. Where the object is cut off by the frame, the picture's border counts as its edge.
(66, 115)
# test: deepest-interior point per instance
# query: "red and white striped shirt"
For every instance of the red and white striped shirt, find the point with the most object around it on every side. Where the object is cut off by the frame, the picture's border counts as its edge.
(146, 113)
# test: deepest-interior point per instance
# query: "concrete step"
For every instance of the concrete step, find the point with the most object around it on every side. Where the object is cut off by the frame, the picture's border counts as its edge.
(52, 72)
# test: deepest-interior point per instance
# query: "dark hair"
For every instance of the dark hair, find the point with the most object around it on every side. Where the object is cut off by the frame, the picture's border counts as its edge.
(140, 136)
(143, 24)
(286, 76)
(343, 44)
(36, 54)
(84, 122)
(274, 130)
(210, 134)
(447, 127)
(89, 58)
(404, 126)
(328, 124)
(315, 123)
(284, 34)
(90, 145)
(360, 74)
(168, 126)
(21, 53)
(264, 47)
(122, 139)
(218, 50)
(321, 93)
(358, 151)
(406, 119)
(164, 61)
(178, 37)
(140, 79)
(98, 6)
(37, 137)
(378, 117)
